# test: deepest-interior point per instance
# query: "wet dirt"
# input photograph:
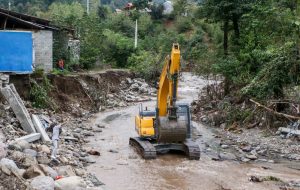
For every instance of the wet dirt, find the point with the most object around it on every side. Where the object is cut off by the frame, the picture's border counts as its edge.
(124, 169)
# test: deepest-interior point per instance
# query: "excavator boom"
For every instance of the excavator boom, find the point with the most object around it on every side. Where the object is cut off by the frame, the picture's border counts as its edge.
(168, 83)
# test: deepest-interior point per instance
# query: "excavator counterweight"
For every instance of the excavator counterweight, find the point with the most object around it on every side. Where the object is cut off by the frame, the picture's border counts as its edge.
(169, 126)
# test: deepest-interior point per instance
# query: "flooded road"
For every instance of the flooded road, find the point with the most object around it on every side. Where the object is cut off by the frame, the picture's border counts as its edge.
(120, 168)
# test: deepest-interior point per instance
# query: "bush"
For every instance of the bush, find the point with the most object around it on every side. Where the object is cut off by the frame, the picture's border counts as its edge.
(183, 24)
(145, 64)
(39, 93)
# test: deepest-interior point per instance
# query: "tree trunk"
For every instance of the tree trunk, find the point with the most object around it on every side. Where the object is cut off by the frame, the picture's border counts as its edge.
(236, 28)
(225, 42)
(225, 45)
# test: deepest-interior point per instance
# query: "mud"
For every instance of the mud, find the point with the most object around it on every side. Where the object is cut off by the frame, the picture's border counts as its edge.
(122, 168)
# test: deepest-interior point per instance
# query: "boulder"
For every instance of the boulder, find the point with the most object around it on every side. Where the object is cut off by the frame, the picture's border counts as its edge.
(42, 158)
(25, 160)
(44, 148)
(70, 183)
(66, 171)
(48, 171)
(30, 152)
(9, 164)
(33, 171)
(19, 145)
(42, 183)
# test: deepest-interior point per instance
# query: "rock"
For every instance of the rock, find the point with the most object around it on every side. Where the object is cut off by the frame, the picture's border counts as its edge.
(63, 159)
(48, 171)
(42, 158)
(9, 164)
(87, 133)
(79, 172)
(76, 154)
(227, 156)
(246, 148)
(224, 146)
(97, 130)
(42, 183)
(204, 119)
(87, 160)
(66, 171)
(83, 154)
(93, 178)
(23, 159)
(44, 148)
(113, 151)
(129, 80)
(94, 152)
(245, 159)
(251, 156)
(101, 126)
(30, 152)
(70, 183)
(33, 171)
(19, 145)
(3, 151)
(77, 130)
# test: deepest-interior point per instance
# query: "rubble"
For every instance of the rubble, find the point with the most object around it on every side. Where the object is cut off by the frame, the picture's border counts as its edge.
(26, 155)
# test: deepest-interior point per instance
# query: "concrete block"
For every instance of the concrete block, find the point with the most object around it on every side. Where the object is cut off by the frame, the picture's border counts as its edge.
(18, 107)
(30, 138)
(39, 127)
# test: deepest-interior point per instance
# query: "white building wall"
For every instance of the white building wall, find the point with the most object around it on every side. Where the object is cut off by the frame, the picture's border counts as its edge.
(43, 50)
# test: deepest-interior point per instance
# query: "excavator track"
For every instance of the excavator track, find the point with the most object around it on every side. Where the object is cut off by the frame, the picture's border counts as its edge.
(192, 150)
(144, 147)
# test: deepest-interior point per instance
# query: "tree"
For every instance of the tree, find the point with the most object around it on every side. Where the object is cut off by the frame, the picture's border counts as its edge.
(140, 4)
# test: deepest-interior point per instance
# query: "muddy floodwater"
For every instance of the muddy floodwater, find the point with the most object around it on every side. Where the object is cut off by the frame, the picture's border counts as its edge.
(120, 168)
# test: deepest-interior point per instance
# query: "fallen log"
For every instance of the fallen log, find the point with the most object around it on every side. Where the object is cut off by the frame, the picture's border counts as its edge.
(275, 112)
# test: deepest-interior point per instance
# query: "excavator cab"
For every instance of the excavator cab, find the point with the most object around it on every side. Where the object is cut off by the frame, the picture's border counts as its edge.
(144, 123)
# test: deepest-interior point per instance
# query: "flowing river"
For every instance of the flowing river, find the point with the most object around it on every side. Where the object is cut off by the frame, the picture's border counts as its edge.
(120, 168)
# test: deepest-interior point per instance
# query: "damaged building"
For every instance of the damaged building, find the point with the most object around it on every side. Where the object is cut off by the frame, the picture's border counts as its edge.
(46, 49)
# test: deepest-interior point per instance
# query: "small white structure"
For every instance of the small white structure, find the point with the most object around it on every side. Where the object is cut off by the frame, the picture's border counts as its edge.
(168, 7)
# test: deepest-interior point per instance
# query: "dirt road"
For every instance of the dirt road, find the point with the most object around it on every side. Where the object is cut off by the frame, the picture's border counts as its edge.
(120, 168)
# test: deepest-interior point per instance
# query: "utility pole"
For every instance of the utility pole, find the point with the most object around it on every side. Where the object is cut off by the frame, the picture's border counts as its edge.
(136, 34)
(88, 7)
(9, 4)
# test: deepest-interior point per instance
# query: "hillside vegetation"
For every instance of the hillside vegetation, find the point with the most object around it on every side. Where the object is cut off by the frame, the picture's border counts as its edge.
(254, 44)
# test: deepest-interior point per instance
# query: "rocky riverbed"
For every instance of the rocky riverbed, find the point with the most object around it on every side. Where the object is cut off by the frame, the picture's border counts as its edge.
(94, 151)
(25, 165)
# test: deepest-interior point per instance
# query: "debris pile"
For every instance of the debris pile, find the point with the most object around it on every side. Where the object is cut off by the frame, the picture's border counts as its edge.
(245, 131)
(52, 156)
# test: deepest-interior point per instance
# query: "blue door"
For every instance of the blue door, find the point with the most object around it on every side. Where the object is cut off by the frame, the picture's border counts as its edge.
(16, 52)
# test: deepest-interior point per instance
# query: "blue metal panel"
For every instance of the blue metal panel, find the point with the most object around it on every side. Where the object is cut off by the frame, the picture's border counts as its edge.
(16, 52)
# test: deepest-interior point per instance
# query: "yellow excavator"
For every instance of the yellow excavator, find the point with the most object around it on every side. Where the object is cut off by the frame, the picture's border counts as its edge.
(169, 126)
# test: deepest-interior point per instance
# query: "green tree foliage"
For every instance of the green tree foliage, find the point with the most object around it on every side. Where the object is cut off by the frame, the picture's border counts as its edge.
(65, 14)
(140, 4)
(261, 44)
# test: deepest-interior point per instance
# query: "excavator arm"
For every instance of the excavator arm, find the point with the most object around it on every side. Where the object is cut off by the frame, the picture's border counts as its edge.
(168, 83)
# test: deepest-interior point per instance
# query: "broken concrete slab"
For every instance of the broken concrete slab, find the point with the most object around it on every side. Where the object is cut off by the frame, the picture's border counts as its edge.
(30, 138)
(18, 107)
(39, 127)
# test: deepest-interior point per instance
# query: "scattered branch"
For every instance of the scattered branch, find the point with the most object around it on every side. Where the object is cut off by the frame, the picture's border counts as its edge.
(275, 112)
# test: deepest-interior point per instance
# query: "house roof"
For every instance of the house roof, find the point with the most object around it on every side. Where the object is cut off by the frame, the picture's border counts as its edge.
(12, 20)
